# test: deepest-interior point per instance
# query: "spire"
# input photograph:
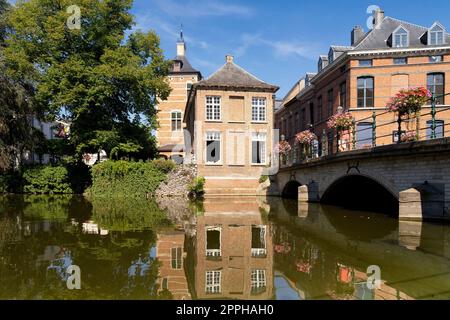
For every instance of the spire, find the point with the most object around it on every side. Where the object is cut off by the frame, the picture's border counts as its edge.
(181, 34)
(181, 45)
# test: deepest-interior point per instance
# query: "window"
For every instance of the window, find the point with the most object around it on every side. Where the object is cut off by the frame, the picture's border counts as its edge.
(258, 148)
(365, 92)
(401, 38)
(258, 279)
(400, 61)
(330, 56)
(213, 147)
(436, 35)
(176, 254)
(303, 119)
(188, 89)
(213, 242)
(259, 241)
(435, 83)
(165, 284)
(259, 109)
(436, 59)
(364, 135)
(213, 108)
(176, 120)
(319, 108)
(365, 63)
(330, 102)
(395, 135)
(213, 282)
(439, 131)
(343, 95)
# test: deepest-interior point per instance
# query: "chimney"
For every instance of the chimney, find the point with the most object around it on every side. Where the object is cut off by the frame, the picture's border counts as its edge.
(229, 58)
(181, 48)
(378, 16)
(357, 34)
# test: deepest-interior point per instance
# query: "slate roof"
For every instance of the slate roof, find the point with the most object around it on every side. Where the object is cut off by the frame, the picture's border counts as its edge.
(186, 67)
(379, 37)
(233, 76)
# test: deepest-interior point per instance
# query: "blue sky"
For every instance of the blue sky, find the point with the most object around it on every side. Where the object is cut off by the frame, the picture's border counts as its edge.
(278, 41)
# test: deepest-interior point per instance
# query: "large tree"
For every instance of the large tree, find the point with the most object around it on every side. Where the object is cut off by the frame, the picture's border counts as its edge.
(104, 77)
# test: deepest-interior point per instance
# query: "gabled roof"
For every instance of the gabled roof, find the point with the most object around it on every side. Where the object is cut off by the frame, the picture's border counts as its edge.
(186, 67)
(233, 76)
(379, 37)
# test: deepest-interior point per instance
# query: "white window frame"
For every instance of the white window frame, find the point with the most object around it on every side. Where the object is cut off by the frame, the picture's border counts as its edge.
(187, 88)
(365, 63)
(258, 279)
(213, 282)
(213, 108)
(430, 32)
(258, 252)
(213, 252)
(213, 136)
(433, 59)
(172, 119)
(394, 36)
(180, 258)
(259, 109)
(261, 137)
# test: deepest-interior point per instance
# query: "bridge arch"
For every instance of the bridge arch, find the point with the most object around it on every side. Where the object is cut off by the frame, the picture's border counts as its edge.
(362, 192)
(290, 190)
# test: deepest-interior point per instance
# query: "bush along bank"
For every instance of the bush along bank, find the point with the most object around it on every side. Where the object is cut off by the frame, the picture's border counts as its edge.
(128, 179)
(42, 179)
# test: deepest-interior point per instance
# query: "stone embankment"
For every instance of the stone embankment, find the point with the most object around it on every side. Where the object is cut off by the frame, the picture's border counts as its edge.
(177, 182)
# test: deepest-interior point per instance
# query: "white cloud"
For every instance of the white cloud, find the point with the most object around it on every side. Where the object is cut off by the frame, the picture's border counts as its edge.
(148, 22)
(203, 8)
(281, 49)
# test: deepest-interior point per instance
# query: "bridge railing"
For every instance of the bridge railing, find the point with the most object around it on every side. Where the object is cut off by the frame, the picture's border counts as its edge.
(379, 129)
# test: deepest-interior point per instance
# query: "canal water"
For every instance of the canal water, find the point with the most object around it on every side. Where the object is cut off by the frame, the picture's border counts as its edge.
(234, 248)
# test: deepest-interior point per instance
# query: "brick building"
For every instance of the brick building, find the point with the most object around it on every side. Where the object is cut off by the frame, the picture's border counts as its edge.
(362, 77)
(232, 256)
(230, 120)
(170, 135)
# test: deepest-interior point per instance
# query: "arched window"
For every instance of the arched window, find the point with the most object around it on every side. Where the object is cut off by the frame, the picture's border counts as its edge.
(436, 84)
(401, 38)
(176, 120)
(436, 35)
(366, 92)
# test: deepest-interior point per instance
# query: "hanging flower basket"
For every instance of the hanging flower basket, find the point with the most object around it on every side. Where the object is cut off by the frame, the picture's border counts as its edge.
(341, 122)
(408, 103)
(283, 148)
(305, 138)
(410, 136)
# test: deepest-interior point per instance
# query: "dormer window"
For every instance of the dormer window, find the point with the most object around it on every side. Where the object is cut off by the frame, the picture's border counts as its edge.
(401, 38)
(436, 35)
(331, 56)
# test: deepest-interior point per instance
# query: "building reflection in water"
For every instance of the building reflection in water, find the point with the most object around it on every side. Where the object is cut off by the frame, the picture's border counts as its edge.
(170, 251)
(231, 253)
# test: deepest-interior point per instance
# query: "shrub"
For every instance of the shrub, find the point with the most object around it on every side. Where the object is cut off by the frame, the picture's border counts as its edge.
(46, 180)
(123, 178)
(196, 187)
(263, 179)
(11, 182)
(164, 165)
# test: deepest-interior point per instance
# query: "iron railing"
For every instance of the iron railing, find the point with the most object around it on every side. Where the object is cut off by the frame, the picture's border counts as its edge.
(351, 139)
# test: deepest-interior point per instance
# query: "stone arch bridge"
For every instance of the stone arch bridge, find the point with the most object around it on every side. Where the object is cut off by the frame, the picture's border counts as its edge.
(411, 180)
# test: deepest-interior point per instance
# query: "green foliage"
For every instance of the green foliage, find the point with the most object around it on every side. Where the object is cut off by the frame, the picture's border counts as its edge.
(11, 182)
(263, 179)
(107, 83)
(164, 165)
(46, 180)
(124, 178)
(196, 187)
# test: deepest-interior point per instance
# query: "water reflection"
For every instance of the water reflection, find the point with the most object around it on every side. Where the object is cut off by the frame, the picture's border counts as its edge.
(237, 248)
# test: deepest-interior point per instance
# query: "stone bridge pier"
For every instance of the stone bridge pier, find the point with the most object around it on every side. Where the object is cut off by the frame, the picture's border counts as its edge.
(411, 180)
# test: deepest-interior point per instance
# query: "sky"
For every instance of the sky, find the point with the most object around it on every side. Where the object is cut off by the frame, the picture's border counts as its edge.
(276, 40)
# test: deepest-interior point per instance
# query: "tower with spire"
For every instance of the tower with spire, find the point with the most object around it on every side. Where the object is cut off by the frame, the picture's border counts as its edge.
(182, 76)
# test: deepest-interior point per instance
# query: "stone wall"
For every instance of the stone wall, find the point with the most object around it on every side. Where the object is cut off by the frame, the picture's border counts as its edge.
(177, 182)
